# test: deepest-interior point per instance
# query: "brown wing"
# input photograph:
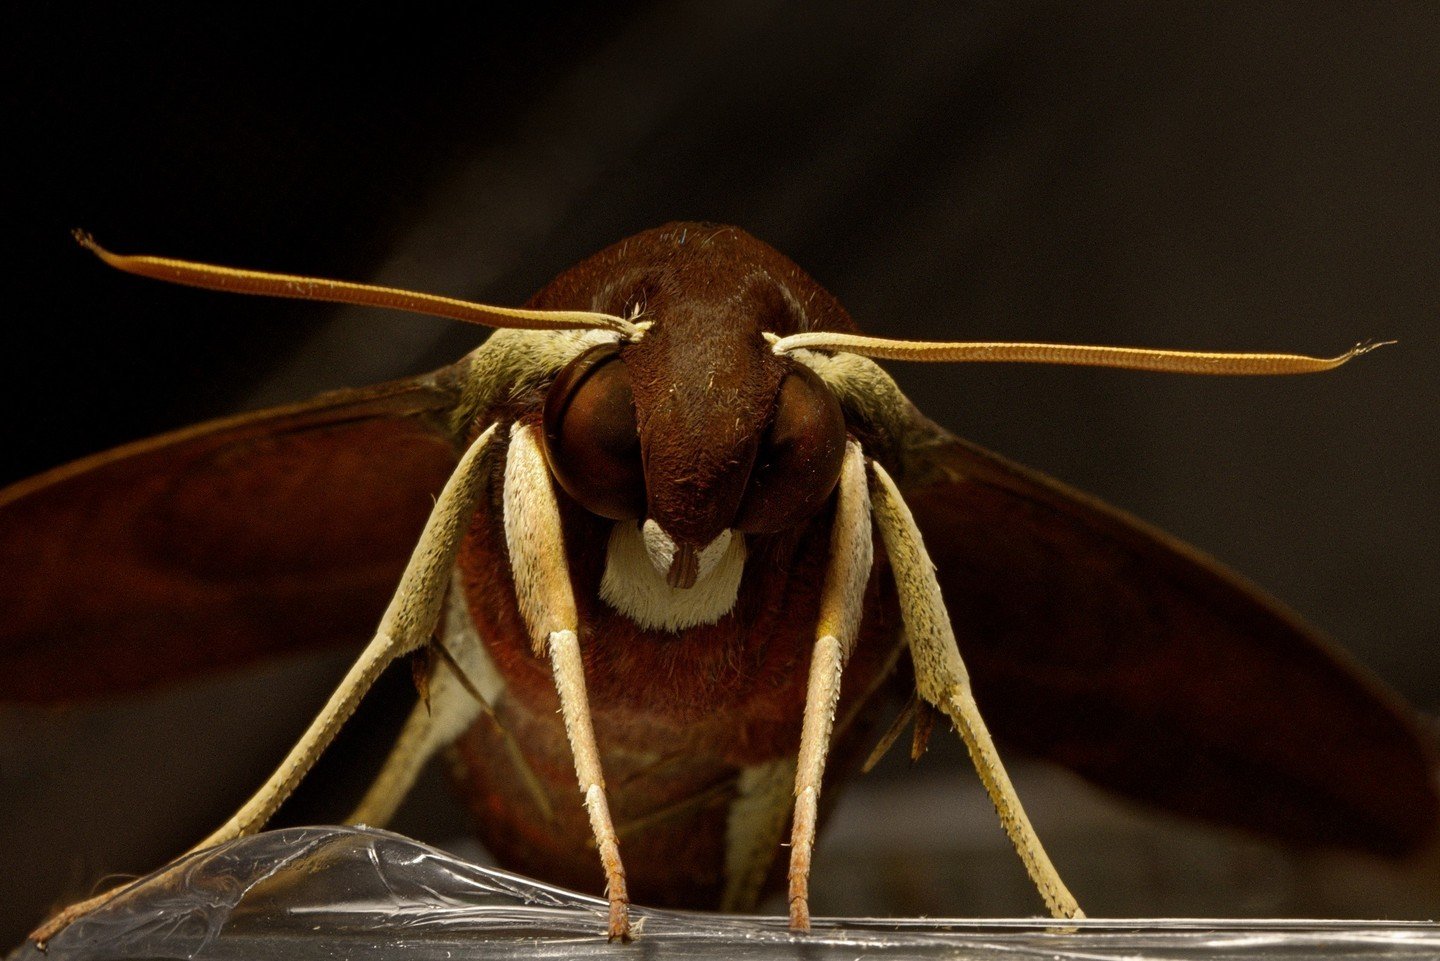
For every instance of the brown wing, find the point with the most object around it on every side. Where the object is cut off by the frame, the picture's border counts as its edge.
(1104, 644)
(217, 544)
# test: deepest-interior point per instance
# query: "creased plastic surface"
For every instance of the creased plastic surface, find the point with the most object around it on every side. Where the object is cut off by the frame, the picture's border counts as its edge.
(327, 893)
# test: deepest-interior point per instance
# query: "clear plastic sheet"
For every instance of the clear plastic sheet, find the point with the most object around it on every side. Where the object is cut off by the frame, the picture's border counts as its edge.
(316, 894)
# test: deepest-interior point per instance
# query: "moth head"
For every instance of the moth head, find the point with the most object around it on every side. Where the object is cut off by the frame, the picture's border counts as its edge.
(693, 426)
(694, 434)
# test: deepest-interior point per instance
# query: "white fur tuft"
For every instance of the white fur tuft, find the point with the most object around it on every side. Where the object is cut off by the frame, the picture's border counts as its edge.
(634, 584)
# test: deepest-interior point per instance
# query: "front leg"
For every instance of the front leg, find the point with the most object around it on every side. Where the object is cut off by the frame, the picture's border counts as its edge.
(406, 625)
(547, 602)
(841, 604)
(942, 680)
(464, 683)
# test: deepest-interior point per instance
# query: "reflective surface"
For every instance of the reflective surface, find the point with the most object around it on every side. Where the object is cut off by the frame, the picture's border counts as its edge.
(323, 893)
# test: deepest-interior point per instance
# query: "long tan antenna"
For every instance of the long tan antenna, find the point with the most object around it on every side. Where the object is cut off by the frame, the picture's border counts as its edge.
(264, 284)
(1130, 358)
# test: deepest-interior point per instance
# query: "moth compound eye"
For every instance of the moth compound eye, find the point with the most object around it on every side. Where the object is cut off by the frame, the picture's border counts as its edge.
(798, 463)
(591, 440)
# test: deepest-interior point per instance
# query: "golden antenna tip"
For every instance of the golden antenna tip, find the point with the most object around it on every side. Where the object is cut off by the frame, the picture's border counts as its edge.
(1366, 346)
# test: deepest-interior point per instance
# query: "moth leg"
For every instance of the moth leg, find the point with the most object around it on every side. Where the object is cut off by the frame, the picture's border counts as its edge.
(841, 601)
(464, 682)
(406, 625)
(418, 742)
(942, 680)
(547, 602)
(754, 829)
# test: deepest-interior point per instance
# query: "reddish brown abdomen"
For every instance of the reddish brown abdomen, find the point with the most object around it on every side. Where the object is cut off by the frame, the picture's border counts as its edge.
(677, 715)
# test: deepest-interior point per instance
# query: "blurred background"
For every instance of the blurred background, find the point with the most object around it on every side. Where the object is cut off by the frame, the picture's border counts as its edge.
(1257, 176)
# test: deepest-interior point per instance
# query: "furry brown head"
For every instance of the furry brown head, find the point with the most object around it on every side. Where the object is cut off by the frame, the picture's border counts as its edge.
(727, 434)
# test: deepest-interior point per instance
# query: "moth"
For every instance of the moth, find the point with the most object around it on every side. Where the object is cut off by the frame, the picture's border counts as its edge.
(685, 530)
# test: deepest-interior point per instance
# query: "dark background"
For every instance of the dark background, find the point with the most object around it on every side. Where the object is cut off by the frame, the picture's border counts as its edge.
(1253, 176)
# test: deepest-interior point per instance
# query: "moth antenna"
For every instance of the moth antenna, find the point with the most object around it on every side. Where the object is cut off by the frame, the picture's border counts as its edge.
(296, 287)
(1128, 358)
